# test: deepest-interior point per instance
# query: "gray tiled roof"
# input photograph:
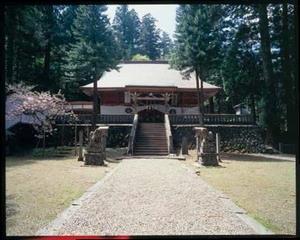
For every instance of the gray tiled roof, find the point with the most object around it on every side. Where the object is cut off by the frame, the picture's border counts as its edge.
(146, 74)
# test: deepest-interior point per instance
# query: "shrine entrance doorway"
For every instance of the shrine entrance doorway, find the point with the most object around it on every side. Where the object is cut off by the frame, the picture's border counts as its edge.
(151, 115)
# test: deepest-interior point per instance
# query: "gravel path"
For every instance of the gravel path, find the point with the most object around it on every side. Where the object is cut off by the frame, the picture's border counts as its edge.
(150, 197)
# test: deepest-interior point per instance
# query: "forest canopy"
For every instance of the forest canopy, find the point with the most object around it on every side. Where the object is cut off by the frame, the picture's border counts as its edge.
(248, 50)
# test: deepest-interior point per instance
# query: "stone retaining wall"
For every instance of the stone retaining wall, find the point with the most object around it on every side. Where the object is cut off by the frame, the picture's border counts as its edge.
(233, 138)
(118, 136)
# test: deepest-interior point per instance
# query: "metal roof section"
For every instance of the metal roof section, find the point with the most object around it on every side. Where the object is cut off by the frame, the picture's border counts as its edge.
(146, 75)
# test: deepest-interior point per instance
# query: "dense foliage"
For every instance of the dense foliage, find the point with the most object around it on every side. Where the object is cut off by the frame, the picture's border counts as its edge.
(248, 50)
(126, 25)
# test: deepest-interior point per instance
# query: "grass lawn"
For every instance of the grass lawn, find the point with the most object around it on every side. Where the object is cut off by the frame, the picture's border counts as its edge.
(37, 188)
(265, 188)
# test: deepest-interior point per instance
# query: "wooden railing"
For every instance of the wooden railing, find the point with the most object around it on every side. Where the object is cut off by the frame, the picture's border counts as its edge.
(169, 134)
(105, 119)
(131, 140)
(230, 119)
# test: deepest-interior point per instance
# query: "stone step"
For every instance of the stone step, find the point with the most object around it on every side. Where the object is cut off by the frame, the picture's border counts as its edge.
(150, 153)
(158, 143)
(151, 137)
(151, 127)
(141, 123)
(159, 140)
(151, 144)
(151, 150)
(151, 147)
(152, 132)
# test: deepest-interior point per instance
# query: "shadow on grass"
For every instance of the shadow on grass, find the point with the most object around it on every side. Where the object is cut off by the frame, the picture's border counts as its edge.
(249, 158)
(32, 157)
(213, 167)
(12, 161)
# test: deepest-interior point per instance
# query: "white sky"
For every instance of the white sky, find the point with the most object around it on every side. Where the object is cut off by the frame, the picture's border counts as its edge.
(164, 13)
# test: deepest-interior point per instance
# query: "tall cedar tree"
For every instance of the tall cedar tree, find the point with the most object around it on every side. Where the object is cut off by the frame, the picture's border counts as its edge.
(194, 43)
(48, 22)
(10, 29)
(289, 95)
(240, 68)
(165, 45)
(149, 37)
(39, 55)
(95, 49)
(126, 26)
(270, 114)
(23, 44)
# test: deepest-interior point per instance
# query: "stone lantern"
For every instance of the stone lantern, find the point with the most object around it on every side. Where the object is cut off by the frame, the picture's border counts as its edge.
(96, 150)
(206, 147)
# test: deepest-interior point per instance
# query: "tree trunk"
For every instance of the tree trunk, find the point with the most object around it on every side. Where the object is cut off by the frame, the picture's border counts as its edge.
(95, 104)
(47, 63)
(287, 78)
(253, 111)
(199, 98)
(211, 105)
(11, 36)
(48, 38)
(218, 100)
(44, 143)
(295, 70)
(269, 94)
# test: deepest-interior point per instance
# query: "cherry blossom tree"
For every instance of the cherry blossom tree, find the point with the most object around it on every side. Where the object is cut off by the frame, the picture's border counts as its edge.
(42, 109)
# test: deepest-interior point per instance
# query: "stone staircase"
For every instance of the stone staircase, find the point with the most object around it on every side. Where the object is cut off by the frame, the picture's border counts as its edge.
(151, 139)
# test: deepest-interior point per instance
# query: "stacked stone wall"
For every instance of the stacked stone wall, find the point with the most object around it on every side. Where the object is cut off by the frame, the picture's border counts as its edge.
(243, 139)
(118, 136)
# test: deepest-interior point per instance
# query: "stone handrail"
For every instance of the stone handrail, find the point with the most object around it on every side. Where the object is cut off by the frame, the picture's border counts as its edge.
(211, 119)
(132, 135)
(169, 134)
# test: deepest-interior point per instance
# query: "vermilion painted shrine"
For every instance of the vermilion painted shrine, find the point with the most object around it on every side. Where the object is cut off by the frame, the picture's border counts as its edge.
(154, 100)
(151, 88)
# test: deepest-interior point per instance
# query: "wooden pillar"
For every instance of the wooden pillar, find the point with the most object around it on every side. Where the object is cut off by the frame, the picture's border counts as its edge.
(167, 97)
(218, 147)
(211, 105)
(80, 154)
(197, 148)
(44, 142)
(184, 146)
(88, 133)
(62, 142)
(280, 147)
(95, 107)
(75, 140)
(133, 98)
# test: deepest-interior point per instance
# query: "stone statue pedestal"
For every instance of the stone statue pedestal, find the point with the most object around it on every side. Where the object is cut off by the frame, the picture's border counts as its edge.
(96, 153)
(206, 147)
(95, 159)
